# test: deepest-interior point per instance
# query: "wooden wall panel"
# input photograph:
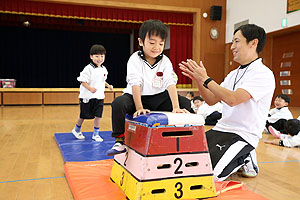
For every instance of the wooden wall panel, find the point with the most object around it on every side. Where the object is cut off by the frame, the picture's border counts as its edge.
(22, 98)
(266, 54)
(214, 63)
(109, 97)
(284, 44)
(0, 98)
(61, 98)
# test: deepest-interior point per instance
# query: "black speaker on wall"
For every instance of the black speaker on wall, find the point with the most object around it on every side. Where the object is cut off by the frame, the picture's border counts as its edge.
(216, 12)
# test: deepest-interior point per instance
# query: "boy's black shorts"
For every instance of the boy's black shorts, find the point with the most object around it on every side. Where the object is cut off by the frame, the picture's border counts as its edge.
(91, 109)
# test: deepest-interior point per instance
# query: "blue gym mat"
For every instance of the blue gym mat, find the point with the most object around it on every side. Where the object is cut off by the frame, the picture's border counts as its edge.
(74, 150)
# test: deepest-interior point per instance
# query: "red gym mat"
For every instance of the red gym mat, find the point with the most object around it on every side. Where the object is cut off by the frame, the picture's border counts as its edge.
(91, 181)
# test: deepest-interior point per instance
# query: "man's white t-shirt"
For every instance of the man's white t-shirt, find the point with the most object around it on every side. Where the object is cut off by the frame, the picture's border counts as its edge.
(248, 119)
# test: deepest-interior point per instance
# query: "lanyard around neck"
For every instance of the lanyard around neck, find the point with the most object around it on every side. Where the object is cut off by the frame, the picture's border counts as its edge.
(236, 81)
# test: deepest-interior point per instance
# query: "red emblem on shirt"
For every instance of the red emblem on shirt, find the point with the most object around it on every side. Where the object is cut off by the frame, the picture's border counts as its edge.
(159, 74)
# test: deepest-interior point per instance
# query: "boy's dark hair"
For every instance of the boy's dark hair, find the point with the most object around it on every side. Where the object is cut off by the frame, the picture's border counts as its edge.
(153, 27)
(292, 126)
(191, 93)
(198, 98)
(285, 97)
(97, 49)
(251, 32)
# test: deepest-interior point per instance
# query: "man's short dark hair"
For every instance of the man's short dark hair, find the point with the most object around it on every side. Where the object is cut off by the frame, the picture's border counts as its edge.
(97, 49)
(285, 97)
(292, 126)
(153, 27)
(251, 32)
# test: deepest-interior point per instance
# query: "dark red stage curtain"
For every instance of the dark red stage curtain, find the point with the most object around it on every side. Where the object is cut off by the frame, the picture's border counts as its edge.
(181, 43)
(48, 15)
(92, 13)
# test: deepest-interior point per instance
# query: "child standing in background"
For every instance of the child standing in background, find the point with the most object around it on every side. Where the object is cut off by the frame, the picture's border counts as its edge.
(278, 116)
(93, 82)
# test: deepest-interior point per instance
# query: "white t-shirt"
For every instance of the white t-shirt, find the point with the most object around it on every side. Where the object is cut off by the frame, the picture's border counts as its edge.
(277, 114)
(248, 118)
(95, 77)
(141, 73)
(290, 141)
(205, 109)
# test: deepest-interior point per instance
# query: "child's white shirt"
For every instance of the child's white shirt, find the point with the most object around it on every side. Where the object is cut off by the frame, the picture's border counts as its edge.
(290, 141)
(205, 109)
(95, 77)
(277, 114)
(140, 73)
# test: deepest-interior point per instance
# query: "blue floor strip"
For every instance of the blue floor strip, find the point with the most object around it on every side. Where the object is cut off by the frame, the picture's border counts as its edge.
(279, 161)
(34, 179)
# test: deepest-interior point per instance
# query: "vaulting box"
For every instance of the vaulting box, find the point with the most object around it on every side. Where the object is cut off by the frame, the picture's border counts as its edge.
(189, 187)
(165, 133)
(167, 158)
(165, 166)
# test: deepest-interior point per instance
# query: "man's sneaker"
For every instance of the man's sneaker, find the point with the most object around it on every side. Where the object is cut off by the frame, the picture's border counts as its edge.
(116, 149)
(274, 132)
(79, 135)
(97, 138)
(248, 170)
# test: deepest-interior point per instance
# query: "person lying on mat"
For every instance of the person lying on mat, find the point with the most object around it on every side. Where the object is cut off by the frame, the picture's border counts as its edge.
(291, 139)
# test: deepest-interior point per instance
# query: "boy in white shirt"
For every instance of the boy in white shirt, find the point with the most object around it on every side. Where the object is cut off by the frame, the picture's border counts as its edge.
(292, 127)
(278, 116)
(93, 82)
(151, 83)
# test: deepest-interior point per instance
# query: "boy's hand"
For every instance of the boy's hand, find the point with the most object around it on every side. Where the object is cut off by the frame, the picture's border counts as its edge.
(178, 110)
(111, 87)
(274, 142)
(140, 111)
(92, 90)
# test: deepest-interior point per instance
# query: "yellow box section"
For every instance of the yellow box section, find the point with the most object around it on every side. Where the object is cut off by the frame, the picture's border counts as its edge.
(174, 188)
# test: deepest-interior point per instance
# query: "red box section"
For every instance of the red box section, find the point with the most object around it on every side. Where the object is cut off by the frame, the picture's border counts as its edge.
(150, 140)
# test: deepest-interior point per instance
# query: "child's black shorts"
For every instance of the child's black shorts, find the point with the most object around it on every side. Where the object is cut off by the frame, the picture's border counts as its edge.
(91, 109)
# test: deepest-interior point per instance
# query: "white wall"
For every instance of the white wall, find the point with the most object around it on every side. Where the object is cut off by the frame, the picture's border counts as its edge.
(265, 13)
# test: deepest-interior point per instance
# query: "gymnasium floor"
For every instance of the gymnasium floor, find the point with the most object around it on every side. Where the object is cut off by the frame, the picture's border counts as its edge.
(31, 165)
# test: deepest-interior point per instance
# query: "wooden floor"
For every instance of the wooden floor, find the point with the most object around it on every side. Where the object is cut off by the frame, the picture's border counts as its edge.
(31, 165)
